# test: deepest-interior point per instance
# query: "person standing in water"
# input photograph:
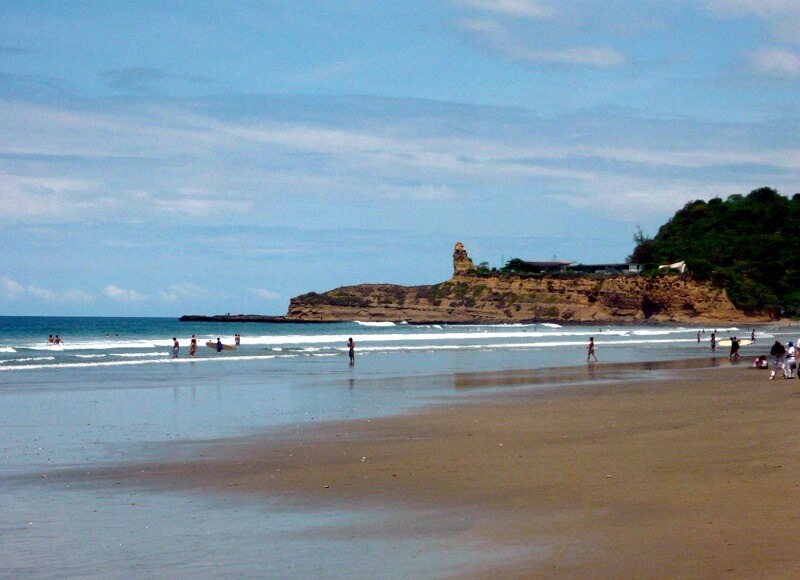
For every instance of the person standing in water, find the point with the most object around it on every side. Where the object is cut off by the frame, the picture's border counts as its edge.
(219, 345)
(351, 347)
(175, 347)
(713, 341)
(193, 346)
(734, 355)
(590, 350)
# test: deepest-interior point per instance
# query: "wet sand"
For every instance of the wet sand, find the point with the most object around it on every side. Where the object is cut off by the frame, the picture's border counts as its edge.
(683, 472)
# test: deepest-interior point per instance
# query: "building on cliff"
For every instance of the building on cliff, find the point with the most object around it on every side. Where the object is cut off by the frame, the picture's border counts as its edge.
(524, 266)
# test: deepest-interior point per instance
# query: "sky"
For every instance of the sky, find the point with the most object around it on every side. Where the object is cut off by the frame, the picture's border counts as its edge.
(202, 157)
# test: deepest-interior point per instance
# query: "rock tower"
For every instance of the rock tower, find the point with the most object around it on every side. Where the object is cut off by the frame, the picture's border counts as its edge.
(461, 262)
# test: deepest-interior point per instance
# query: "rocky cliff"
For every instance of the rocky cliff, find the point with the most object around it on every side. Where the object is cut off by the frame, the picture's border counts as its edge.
(472, 297)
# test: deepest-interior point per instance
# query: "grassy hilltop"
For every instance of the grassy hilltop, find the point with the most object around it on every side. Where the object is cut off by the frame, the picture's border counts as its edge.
(746, 244)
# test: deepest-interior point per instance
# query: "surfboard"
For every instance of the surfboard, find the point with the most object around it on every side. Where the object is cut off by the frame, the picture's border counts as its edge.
(727, 342)
(212, 344)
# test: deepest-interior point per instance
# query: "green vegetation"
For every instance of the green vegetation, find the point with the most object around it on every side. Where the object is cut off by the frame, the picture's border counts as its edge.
(744, 243)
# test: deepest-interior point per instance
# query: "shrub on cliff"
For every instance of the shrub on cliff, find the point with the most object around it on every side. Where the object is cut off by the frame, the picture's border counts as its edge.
(744, 243)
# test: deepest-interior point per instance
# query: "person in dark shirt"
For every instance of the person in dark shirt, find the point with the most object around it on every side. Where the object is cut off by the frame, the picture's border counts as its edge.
(777, 358)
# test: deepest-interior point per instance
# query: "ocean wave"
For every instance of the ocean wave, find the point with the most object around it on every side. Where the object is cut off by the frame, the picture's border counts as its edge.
(374, 323)
(28, 359)
(139, 354)
(7, 349)
(134, 362)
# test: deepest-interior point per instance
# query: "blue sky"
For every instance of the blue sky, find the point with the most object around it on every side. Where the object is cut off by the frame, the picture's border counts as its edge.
(164, 158)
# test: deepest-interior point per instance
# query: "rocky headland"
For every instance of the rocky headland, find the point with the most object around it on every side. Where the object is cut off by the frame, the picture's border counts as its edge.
(473, 297)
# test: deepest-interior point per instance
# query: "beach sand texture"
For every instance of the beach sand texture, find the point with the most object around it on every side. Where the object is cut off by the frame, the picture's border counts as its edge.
(682, 473)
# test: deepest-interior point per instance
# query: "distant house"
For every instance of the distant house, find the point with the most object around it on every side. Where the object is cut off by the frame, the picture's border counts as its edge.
(556, 266)
(537, 267)
(609, 269)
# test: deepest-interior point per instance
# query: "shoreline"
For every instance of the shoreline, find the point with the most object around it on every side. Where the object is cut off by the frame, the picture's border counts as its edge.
(620, 471)
(277, 319)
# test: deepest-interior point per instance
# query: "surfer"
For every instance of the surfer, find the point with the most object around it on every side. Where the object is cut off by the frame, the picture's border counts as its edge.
(219, 345)
(192, 346)
(175, 347)
(590, 350)
(351, 347)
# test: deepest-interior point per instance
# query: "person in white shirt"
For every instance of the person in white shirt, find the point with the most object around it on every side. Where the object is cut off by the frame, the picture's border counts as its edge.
(791, 359)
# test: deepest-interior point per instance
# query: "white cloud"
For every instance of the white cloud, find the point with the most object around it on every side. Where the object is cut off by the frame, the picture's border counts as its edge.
(11, 288)
(122, 295)
(776, 62)
(182, 292)
(782, 16)
(264, 293)
(404, 154)
(41, 293)
(524, 46)
(513, 8)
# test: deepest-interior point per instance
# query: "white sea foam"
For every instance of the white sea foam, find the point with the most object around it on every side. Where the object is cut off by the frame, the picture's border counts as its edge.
(374, 323)
(28, 359)
(7, 349)
(139, 354)
(135, 362)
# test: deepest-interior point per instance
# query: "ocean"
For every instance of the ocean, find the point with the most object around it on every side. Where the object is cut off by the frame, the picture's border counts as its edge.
(111, 392)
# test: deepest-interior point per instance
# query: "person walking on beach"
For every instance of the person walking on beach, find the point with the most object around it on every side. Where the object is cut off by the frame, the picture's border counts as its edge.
(753, 336)
(791, 359)
(590, 350)
(351, 347)
(175, 347)
(192, 346)
(734, 355)
(713, 341)
(698, 337)
(777, 358)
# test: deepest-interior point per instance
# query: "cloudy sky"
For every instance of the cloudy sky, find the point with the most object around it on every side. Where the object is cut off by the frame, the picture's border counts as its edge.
(163, 158)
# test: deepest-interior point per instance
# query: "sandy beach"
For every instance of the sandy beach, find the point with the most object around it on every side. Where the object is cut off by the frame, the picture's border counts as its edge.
(681, 473)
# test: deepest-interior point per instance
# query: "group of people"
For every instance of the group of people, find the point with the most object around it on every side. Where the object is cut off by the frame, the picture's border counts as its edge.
(54, 339)
(735, 343)
(176, 345)
(782, 358)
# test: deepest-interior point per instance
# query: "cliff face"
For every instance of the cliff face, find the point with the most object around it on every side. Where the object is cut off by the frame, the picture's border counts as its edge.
(469, 297)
